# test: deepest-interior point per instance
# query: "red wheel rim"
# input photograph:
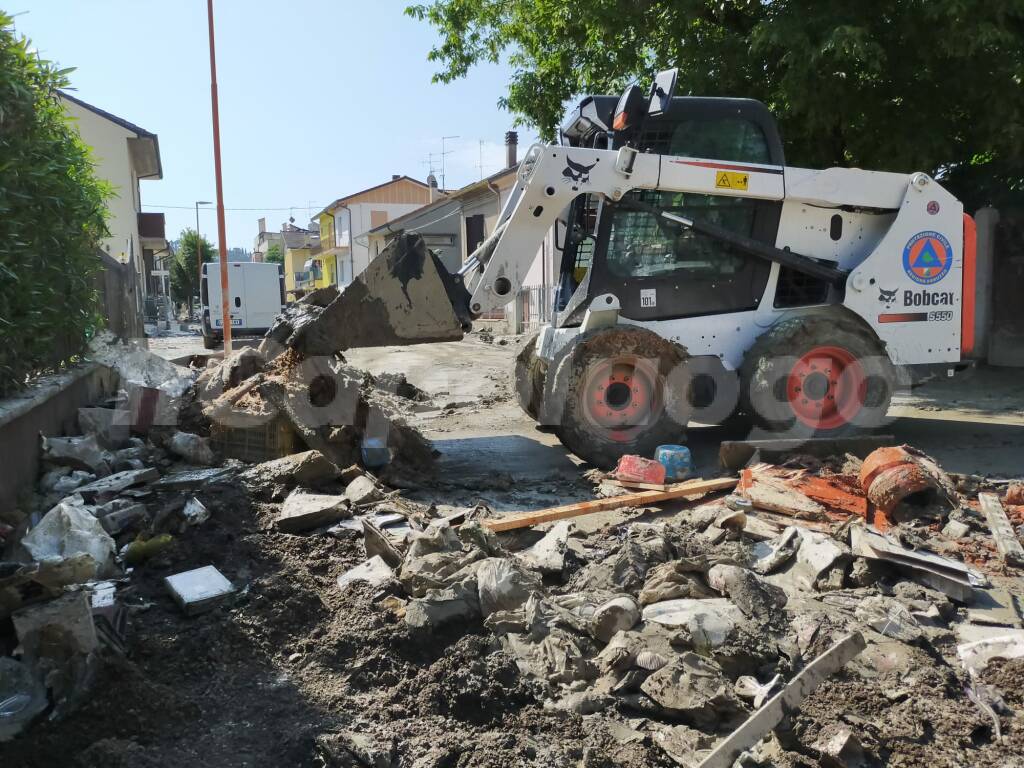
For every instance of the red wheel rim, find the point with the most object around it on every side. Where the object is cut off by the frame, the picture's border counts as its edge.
(621, 396)
(826, 388)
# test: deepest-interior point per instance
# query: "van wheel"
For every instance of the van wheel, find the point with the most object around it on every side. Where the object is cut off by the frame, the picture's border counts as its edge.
(611, 385)
(819, 375)
(528, 377)
(210, 342)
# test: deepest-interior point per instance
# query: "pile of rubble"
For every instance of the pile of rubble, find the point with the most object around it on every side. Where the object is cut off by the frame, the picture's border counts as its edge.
(836, 611)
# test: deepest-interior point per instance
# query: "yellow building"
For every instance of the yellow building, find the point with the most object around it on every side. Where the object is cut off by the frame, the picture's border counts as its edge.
(297, 273)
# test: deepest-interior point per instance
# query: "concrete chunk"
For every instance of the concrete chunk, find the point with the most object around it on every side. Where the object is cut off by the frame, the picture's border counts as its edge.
(362, 491)
(305, 511)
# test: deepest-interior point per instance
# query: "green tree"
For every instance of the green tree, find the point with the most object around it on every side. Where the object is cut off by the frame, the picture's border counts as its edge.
(185, 264)
(274, 254)
(898, 85)
(52, 218)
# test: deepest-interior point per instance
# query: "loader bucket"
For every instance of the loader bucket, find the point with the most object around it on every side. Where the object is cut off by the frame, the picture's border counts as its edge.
(405, 296)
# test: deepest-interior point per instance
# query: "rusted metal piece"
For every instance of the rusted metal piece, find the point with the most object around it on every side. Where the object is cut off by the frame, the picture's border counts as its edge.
(890, 476)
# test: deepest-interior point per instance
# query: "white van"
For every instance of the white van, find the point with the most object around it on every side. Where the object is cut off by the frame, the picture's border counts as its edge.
(256, 297)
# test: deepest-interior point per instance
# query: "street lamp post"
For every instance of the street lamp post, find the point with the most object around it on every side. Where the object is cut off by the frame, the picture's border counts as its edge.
(199, 253)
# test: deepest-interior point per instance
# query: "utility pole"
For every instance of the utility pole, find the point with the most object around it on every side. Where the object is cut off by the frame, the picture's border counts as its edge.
(221, 226)
(443, 153)
(199, 257)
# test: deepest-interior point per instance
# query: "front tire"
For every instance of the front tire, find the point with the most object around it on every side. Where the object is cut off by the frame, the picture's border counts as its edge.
(824, 374)
(611, 386)
(528, 377)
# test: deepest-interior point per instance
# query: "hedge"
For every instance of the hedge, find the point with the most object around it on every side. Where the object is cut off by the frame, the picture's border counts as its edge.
(52, 217)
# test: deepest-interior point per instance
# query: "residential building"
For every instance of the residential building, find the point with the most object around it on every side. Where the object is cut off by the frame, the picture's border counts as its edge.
(455, 225)
(264, 240)
(124, 154)
(344, 247)
(300, 274)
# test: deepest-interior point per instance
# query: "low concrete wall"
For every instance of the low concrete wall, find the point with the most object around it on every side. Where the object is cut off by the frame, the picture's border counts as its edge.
(49, 406)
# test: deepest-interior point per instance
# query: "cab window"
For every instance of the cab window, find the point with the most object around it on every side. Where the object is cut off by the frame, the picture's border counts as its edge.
(728, 138)
(642, 245)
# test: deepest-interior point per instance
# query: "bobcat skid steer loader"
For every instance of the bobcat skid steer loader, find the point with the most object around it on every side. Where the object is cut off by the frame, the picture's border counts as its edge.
(699, 276)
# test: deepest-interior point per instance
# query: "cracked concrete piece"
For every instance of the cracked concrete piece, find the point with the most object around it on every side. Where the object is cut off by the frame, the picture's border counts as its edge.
(374, 572)
(305, 511)
(548, 554)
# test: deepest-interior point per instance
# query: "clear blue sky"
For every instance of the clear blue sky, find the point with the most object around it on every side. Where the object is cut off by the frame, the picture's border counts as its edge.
(318, 98)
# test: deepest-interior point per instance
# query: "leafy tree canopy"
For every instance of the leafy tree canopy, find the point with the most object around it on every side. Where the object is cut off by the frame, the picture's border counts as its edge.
(896, 85)
(185, 265)
(274, 254)
(52, 219)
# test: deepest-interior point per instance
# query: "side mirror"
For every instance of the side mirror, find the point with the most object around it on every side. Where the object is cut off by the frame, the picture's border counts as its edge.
(662, 91)
(630, 109)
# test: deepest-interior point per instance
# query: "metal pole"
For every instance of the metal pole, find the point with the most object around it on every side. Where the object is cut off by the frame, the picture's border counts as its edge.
(221, 227)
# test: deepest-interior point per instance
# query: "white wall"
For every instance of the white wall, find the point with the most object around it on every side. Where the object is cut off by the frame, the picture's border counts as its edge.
(361, 225)
(109, 143)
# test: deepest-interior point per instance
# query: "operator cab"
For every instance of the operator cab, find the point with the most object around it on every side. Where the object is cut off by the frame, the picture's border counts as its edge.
(659, 272)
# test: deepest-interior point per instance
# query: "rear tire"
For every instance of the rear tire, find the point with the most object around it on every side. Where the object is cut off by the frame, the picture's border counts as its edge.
(611, 384)
(210, 342)
(528, 377)
(819, 375)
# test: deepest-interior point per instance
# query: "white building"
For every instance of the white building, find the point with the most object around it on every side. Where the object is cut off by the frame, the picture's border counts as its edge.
(344, 224)
(124, 153)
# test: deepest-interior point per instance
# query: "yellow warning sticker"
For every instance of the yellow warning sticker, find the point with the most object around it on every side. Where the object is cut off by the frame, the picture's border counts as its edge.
(730, 180)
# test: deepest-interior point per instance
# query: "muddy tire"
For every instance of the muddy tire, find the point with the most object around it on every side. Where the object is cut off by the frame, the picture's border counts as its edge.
(611, 387)
(820, 375)
(528, 377)
(210, 342)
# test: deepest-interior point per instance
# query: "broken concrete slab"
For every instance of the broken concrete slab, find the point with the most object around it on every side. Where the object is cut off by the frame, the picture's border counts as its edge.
(375, 572)
(304, 511)
(82, 453)
(995, 607)
(709, 621)
(198, 590)
(119, 481)
(68, 616)
(362, 490)
(123, 518)
(548, 554)
(307, 468)
(191, 480)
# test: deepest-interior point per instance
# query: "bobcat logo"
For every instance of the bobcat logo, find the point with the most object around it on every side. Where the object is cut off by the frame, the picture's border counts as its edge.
(577, 173)
(887, 296)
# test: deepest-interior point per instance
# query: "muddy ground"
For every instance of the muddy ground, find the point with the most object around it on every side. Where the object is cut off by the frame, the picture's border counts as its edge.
(289, 669)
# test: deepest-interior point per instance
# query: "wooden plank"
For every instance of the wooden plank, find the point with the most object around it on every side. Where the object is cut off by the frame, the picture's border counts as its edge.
(643, 498)
(734, 454)
(635, 484)
(1009, 547)
(784, 702)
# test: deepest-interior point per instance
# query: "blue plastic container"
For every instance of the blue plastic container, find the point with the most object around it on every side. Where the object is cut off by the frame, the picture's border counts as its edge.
(677, 461)
(375, 453)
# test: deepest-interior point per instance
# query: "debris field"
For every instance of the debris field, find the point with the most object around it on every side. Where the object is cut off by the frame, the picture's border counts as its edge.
(279, 576)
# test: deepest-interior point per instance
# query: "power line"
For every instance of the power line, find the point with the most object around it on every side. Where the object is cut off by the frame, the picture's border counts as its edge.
(189, 207)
